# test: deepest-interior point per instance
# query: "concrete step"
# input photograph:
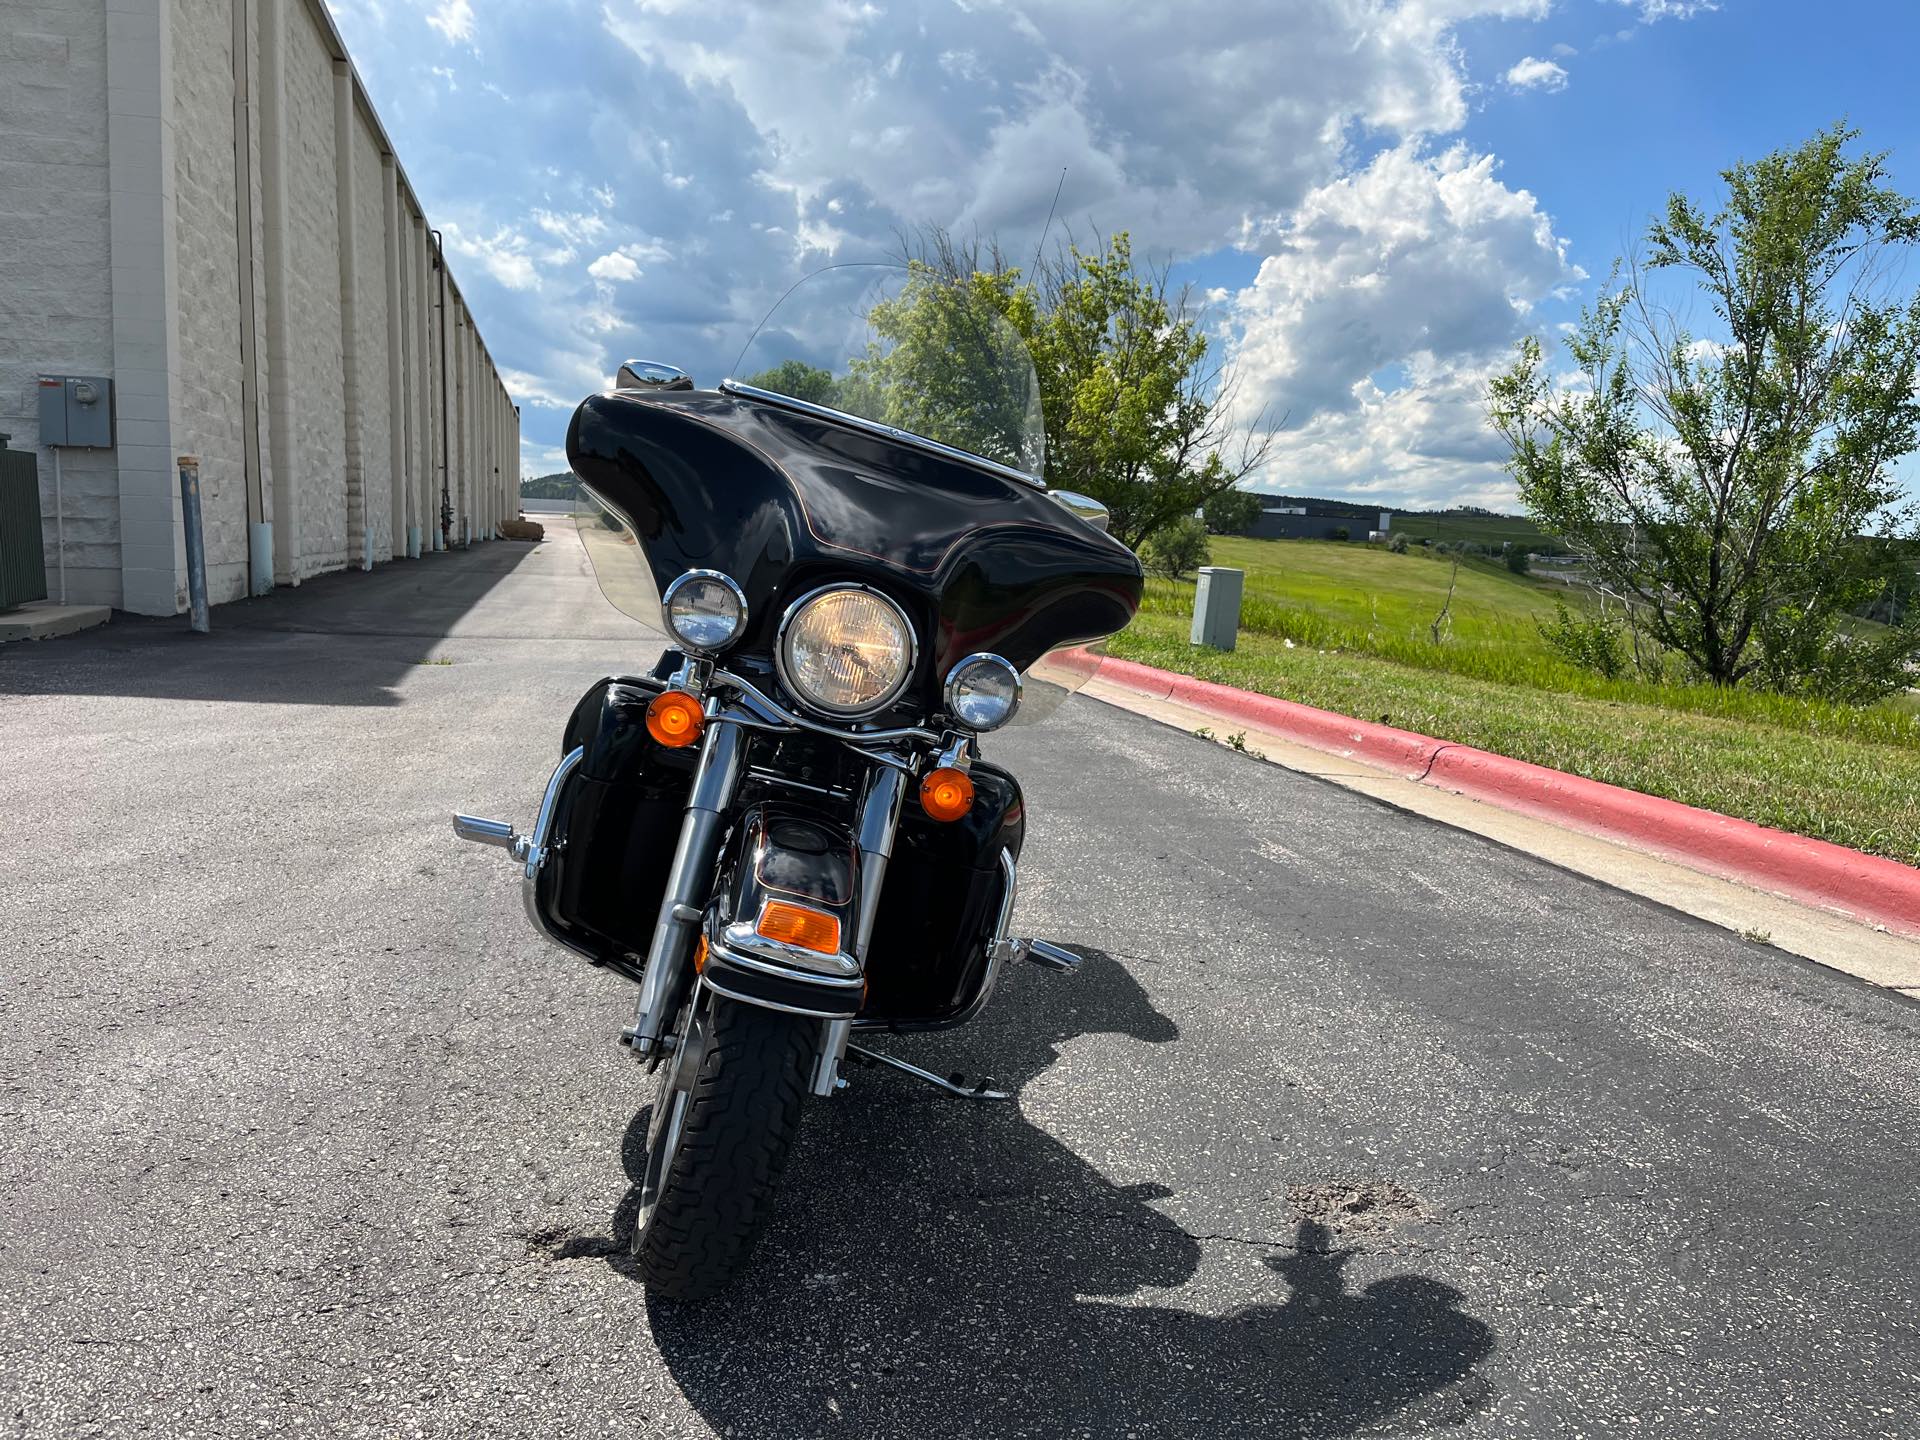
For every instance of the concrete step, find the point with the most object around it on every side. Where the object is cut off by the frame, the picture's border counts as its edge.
(44, 619)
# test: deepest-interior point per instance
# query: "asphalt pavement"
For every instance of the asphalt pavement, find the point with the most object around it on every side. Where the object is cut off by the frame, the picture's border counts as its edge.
(1351, 1124)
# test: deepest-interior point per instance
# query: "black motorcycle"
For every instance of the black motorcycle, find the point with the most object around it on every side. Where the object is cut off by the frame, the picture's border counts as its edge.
(786, 835)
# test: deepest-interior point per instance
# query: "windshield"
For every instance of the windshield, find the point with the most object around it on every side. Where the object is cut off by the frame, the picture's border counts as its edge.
(905, 347)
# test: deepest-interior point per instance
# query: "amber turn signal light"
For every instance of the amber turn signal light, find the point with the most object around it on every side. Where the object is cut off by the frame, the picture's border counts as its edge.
(797, 925)
(946, 794)
(674, 718)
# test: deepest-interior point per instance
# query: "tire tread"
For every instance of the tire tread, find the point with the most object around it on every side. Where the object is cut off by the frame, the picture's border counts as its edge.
(741, 1117)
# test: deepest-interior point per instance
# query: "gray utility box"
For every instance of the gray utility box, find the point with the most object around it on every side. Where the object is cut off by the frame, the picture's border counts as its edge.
(1216, 607)
(76, 410)
(23, 561)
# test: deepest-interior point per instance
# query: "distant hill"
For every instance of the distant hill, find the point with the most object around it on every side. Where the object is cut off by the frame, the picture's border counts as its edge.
(561, 485)
(1464, 522)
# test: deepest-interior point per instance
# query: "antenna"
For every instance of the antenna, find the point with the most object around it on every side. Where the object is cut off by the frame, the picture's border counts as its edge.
(1050, 209)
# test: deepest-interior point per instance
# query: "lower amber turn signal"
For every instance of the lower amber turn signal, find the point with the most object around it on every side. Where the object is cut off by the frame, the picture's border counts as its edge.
(674, 718)
(797, 925)
(946, 794)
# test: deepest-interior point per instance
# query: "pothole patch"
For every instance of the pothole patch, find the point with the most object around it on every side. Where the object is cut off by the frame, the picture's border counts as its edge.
(557, 1242)
(1357, 1207)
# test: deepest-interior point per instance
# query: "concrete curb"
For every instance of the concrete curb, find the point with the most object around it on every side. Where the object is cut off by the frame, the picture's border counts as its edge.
(1863, 887)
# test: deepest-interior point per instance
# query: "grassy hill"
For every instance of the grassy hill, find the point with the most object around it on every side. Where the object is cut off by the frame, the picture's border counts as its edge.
(1479, 526)
(561, 485)
(1349, 628)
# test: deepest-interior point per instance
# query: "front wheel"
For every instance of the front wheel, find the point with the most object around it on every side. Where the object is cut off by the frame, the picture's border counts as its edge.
(728, 1106)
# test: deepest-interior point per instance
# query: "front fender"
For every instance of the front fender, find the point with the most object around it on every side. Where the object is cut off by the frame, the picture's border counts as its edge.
(778, 854)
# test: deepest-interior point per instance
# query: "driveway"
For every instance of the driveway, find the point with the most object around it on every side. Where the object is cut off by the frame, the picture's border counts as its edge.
(1351, 1124)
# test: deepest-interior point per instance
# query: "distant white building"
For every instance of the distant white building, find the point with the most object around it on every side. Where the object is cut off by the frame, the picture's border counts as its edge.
(202, 208)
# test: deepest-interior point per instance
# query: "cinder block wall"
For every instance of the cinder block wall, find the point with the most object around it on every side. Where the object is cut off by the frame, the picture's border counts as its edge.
(375, 479)
(56, 292)
(126, 250)
(206, 414)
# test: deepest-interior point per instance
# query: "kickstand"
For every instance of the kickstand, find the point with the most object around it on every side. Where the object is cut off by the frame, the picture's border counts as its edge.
(955, 1085)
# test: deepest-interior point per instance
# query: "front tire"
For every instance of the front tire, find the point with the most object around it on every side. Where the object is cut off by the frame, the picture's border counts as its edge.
(728, 1107)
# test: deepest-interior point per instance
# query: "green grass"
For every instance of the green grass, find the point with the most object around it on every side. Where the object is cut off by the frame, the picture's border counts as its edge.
(1359, 621)
(1488, 530)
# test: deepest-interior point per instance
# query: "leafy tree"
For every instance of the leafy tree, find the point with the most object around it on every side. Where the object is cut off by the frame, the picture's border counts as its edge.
(1140, 414)
(1517, 558)
(948, 362)
(1591, 642)
(1177, 549)
(1231, 512)
(560, 485)
(1397, 543)
(1737, 489)
(798, 379)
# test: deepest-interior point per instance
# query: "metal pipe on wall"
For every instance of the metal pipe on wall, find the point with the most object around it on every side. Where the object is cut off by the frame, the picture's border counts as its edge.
(446, 499)
(259, 529)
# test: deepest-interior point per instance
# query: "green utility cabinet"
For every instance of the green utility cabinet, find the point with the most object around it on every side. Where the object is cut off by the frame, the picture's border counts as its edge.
(23, 560)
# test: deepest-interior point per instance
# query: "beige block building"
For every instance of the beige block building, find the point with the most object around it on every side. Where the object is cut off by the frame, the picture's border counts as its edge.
(198, 202)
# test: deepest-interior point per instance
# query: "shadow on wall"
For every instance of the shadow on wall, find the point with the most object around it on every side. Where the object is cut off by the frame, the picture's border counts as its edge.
(280, 648)
(942, 1269)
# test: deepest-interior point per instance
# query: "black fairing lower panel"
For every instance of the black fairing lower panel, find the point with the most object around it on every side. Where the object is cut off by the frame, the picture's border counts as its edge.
(617, 823)
(927, 960)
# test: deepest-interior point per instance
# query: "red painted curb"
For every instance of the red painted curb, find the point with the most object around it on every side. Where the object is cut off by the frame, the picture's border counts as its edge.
(1817, 872)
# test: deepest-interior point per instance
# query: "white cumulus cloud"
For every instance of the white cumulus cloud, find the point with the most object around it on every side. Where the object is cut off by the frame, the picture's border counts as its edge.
(1533, 73)
(614, 266)
(453, 19)
(1385, 300)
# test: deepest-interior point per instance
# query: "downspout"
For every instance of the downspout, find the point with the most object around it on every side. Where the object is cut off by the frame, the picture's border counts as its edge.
(259, 531)
(446, 499)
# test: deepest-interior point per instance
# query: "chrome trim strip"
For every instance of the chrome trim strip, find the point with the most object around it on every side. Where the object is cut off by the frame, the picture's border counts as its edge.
(732, 386)
(778, 712)
(893, 691)
(725, 994)
(773, 961)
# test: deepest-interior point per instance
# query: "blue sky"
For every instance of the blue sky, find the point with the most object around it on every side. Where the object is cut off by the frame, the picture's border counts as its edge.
(1377, 198)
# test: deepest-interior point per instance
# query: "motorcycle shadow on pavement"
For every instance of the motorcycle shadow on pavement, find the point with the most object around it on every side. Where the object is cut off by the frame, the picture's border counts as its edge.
(942, 1268)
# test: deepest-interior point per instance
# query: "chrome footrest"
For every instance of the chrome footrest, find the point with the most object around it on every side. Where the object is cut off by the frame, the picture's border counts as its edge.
(492, 832)
(1049, 956)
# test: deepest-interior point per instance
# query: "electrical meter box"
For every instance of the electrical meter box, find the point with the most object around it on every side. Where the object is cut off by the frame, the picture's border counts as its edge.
(76, 410)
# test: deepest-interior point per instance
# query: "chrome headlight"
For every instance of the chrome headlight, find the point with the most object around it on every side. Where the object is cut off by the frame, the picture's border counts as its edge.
(845, 650)
(704, 610)
(982, 692)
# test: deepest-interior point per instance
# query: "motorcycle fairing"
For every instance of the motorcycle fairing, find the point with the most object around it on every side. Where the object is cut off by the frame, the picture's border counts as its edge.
(784, 502)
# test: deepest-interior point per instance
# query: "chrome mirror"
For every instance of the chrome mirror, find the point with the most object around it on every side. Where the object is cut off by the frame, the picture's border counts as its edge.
(651, 375)
(1085, 506)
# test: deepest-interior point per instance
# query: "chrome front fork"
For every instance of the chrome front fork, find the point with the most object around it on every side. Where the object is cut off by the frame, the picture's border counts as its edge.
(879, 821)
(663, 983)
